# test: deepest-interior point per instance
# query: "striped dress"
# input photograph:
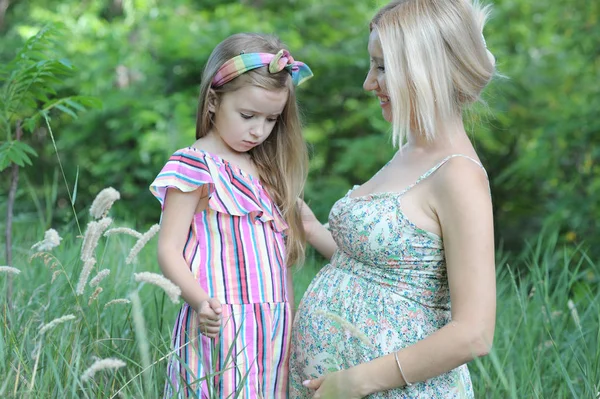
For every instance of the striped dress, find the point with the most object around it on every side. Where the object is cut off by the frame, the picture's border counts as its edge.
(235, 250)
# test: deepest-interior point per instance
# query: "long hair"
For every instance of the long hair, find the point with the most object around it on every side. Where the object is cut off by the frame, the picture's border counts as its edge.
(282, 159)
(436, 61)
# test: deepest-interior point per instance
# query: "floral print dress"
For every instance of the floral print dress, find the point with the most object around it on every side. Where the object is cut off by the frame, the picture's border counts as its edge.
(386, 288)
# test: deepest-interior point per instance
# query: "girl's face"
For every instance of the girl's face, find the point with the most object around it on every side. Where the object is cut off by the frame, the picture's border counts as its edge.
(245, 118)
(375, 80)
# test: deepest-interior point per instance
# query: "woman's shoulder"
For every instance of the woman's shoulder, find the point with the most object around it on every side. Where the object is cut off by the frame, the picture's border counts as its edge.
(460, 181)
(460, 169)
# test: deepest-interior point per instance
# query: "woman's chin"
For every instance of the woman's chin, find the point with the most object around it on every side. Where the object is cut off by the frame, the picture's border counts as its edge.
(387, 114)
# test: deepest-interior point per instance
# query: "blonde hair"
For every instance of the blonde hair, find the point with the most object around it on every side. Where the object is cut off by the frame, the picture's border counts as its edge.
(282, 159)
(436, 61)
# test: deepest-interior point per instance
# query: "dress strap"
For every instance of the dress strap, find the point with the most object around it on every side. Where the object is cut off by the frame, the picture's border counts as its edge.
(439, 165)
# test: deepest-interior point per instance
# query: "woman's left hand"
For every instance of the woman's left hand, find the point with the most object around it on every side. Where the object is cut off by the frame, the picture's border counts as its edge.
(334, 385)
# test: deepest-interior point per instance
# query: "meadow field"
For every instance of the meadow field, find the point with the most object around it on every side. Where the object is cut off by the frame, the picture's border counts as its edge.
(547, 340)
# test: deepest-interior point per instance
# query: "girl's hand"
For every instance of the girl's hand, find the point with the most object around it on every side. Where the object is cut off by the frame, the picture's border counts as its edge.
(335, 385)
(308, 217)
(317, 234)
(209, 317)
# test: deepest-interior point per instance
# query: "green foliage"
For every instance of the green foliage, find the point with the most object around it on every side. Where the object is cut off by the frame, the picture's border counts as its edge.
(28, 94)
(543, 140)
(143, 59)
(15, 152)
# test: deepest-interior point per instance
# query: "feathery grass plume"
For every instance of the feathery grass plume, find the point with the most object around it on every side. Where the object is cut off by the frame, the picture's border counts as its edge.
(172, 291)
(92, 236)
(55, 275)
(103, 202)
(143, 240)
(99, 277)
(36, 350)
(116, 302)
(49, 260)
(574, 313)
(56, 322)
(94, 296)
(123, 230)
(347, 326)
(102, 364)
(141, 336)
(85, 274)
(51, 240)
(8, 269)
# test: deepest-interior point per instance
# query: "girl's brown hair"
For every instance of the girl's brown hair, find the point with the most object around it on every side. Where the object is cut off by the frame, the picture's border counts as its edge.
(282, 159)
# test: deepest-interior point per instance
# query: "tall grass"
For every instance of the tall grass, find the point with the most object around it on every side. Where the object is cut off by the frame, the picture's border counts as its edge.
(547, 341)
(51, 364)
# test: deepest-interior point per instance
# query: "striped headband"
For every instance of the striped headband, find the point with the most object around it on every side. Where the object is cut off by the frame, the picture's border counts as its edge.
(277, 62)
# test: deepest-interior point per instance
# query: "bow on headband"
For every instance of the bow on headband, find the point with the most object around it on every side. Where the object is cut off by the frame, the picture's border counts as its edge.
(276, 62)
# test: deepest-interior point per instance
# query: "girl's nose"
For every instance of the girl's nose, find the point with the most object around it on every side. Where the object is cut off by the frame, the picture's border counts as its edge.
(257, 131)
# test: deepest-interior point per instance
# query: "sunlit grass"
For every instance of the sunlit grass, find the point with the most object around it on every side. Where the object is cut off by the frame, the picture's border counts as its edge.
(547, 341)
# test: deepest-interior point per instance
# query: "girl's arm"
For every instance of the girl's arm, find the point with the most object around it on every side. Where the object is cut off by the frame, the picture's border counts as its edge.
(317, 234)
(465, 213)
(178, 212)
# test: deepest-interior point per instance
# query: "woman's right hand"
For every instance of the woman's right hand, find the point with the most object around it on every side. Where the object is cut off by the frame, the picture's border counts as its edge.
(209, 317)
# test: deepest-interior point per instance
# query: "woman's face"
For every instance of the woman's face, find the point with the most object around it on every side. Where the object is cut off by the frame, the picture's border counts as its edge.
(375, 80)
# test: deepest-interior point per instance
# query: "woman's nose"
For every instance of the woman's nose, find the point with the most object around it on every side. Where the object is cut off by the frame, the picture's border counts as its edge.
(370, 82)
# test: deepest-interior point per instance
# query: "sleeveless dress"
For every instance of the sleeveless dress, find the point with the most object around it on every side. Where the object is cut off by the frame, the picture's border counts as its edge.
(236, 252)
(386, 288)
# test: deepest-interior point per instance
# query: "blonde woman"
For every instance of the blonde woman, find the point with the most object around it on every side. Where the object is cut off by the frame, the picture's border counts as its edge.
(409, 295)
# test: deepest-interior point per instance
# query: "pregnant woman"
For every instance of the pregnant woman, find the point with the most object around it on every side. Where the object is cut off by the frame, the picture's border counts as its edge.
(409, 295)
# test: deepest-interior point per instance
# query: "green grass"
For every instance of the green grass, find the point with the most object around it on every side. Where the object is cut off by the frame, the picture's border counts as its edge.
(541, 349)
(67, 350)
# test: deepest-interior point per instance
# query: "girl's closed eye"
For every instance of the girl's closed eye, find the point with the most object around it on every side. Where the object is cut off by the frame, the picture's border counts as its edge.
(246, 116)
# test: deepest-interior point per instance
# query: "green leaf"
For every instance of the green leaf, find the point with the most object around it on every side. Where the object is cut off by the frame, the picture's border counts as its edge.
(66, 110)
(75, 187)
(74, 104)
(66, 63)
(16, 152)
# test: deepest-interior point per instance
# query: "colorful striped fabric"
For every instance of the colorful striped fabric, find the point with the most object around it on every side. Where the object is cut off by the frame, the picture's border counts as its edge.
(243, 63)
(236, 252)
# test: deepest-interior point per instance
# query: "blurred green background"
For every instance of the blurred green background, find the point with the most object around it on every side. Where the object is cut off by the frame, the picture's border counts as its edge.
(538, 135)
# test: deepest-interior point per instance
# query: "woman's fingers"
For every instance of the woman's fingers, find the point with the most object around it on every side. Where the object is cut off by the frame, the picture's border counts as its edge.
(314, 384)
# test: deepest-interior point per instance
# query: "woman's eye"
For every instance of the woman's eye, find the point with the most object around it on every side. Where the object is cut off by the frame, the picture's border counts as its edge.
(245, 116)
(272, 120)
(381, 68)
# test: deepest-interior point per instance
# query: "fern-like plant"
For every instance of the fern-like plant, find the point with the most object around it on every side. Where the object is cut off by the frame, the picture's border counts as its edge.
(28, 95)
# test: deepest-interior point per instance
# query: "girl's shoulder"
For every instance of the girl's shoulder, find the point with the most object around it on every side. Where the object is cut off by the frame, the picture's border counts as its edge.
(186, 170)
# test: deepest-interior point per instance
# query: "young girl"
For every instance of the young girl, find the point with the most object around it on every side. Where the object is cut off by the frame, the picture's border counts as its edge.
(230, 224)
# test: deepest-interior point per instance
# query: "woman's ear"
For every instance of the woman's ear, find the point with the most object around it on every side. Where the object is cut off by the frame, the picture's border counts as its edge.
(213, 101)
